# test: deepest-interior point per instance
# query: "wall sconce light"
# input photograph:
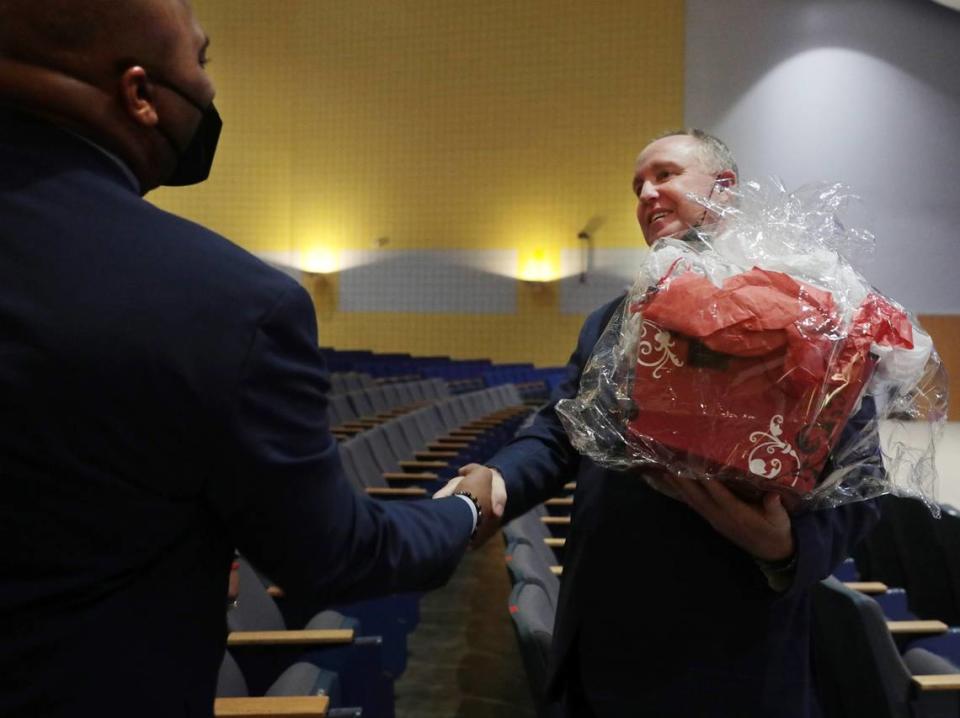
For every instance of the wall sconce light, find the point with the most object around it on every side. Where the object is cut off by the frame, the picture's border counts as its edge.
(537, 268)
(320, 261)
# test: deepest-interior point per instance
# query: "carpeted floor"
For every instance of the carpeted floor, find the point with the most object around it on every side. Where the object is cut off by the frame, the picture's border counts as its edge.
(463, 657)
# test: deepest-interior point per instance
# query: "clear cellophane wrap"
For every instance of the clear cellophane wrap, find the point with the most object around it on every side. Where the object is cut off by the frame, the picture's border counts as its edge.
(751, 351)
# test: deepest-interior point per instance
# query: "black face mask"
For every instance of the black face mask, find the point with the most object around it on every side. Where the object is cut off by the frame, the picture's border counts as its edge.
(196, 159)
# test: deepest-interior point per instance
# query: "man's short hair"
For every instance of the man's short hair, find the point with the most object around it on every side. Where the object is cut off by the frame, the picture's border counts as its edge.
(716, 156)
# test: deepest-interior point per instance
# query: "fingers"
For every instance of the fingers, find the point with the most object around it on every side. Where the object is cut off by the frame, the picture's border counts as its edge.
(693, 494)
(762, 530)
(498, 494)
(774, 511)
(491, 491)
(450, 487)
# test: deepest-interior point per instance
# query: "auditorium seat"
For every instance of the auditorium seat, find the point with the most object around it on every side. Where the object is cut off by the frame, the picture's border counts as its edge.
(400, 443)
(264, 648)
(303, 690)
(396, 467)
(925, 560)
(418, 437)
(529, 527)
(525, 564)
(533, 615)
(848, 571)
(894, 604)
(948, 536)
(861, 672)
(912, 549)
(363, 472)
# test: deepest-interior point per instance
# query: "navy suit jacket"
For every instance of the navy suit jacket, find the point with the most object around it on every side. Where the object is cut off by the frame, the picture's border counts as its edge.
(658, 614)
(162, 401)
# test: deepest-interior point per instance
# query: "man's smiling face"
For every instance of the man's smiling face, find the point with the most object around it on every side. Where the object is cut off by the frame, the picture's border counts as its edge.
(666, 171)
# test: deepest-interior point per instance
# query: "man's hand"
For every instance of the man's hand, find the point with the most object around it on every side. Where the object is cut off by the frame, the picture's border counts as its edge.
(763, 530)
(488, 486)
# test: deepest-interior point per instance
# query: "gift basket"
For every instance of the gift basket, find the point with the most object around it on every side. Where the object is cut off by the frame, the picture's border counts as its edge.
(751, 351)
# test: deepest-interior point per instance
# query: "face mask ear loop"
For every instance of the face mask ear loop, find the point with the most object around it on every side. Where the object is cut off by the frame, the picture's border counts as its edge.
(183, 96)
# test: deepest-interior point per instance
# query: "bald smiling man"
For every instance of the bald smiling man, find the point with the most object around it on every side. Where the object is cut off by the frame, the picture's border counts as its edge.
(162, 396)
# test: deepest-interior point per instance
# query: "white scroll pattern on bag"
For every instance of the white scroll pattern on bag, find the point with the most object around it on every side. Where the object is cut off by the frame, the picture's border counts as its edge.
(773, 445)
(660, 353)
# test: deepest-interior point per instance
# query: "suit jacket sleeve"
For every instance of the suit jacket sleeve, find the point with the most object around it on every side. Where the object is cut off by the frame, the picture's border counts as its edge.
(540, 459)
(825, 538)
(284, 499)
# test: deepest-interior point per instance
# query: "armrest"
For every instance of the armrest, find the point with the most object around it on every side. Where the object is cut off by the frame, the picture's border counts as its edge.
(570, 486)
(555, 542)
(347, 428)
(276, 592)
(411, 476)
(442, 445)
(426, 455)
(556, 570)
(866, 586)
(270, 706)
(423, 464)
(924, 628)
(556, 520)
(461, 433)
(361, 424)
(290, 638)
(941, 682)
(395, 493)
(565, 501)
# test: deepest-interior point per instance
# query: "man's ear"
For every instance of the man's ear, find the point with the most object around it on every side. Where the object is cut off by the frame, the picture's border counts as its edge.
(136, 94)
(725, 179)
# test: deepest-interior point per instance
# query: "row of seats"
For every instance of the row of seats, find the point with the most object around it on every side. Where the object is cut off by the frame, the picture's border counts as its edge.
(534, 552)
(344, 381)
(349, 656)
(869, 665)
(416, 453)
(912, 549)
(361, 409)
(461, 375)
(532, 383)
(874, 655)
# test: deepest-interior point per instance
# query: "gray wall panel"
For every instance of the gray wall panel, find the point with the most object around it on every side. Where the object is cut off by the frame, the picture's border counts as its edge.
(429, 281)
(611, 271)
(861, 91)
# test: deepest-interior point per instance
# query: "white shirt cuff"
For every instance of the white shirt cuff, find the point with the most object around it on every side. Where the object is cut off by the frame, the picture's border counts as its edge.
(473, 510)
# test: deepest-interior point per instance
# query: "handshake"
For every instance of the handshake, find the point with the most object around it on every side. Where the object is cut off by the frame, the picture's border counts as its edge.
(489, 489)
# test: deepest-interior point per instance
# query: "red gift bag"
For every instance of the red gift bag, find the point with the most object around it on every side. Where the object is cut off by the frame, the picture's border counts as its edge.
(753, 380)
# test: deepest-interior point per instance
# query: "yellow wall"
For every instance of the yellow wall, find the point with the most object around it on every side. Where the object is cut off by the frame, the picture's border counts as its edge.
(442, 124)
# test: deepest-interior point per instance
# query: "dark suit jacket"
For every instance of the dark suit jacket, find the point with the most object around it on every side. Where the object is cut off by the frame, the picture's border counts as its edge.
(658, 614)
(162, 401)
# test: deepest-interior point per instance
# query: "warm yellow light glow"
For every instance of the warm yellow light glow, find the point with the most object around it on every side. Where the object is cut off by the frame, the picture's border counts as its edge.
(320, 260)
(539, 266)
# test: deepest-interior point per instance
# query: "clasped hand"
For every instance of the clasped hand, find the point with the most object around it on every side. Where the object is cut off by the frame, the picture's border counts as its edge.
(487, 485)
(762, 529)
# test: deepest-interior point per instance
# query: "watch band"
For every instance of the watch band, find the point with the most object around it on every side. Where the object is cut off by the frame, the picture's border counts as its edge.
(476, 504)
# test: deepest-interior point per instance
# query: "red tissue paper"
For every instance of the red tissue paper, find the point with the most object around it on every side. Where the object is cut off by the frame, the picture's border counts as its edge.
(753, 380)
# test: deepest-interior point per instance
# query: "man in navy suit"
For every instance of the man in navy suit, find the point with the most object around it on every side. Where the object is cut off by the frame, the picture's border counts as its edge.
(696, 606)
(162, 396)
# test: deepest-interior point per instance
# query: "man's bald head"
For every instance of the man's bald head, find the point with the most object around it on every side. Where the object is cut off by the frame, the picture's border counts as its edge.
(127, 74)
(90, 39)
